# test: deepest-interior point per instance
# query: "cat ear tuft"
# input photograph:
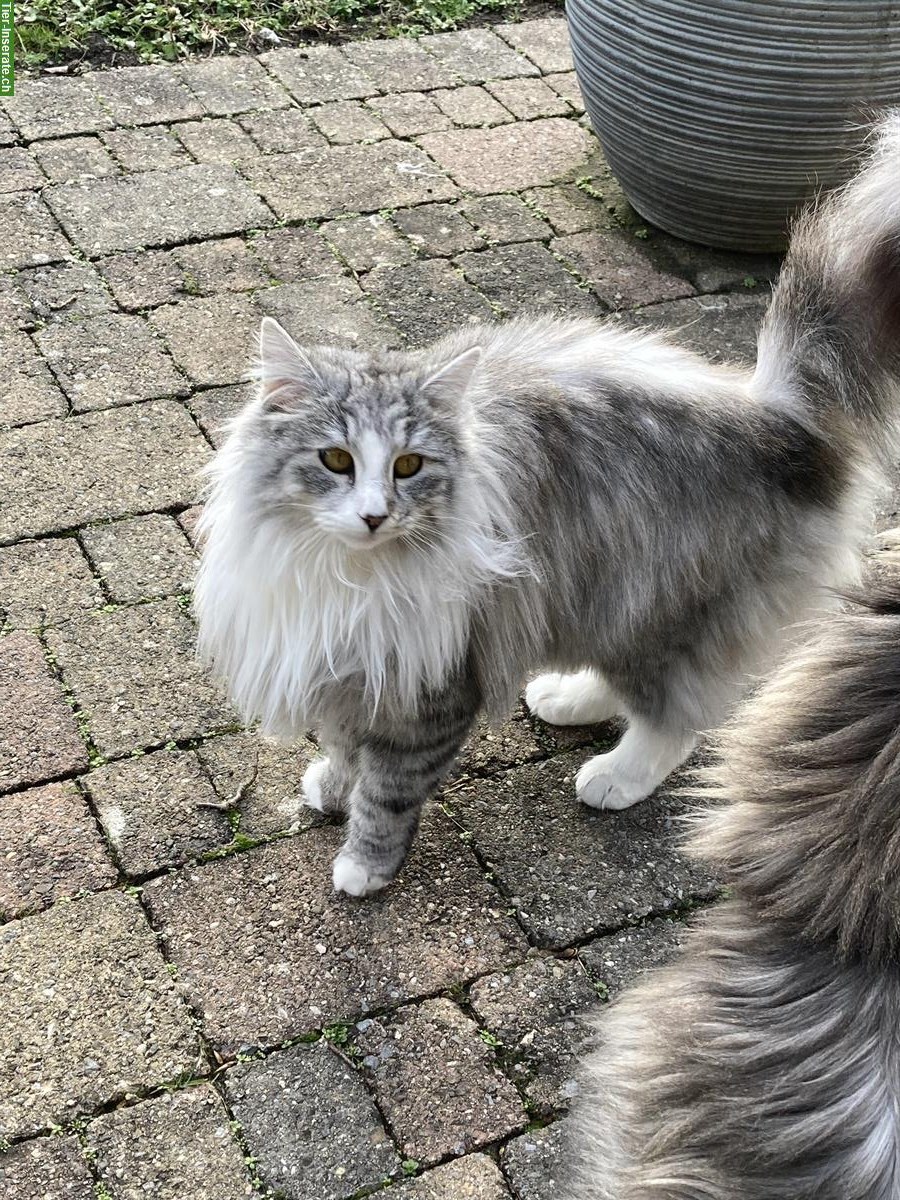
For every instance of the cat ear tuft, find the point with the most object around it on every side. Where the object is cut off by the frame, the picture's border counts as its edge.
(286, 375)
(450, 383)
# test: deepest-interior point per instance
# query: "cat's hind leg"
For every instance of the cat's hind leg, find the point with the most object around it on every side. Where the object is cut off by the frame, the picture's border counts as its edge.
(582, 698)
(645, 756)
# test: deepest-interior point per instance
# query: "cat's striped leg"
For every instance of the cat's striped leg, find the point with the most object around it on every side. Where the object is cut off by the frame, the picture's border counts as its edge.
(397, 774)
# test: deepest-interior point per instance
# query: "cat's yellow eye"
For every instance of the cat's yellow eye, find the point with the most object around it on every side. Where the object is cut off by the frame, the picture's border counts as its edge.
(407, 465)
(337, 460)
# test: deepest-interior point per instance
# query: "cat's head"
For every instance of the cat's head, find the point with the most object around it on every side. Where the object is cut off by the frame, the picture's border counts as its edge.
(361, 449)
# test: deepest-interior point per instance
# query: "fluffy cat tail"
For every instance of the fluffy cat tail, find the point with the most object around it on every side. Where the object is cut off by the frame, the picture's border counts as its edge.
(831, 338)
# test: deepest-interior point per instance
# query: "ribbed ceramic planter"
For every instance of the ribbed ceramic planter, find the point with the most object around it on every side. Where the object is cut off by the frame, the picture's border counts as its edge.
(720, 117)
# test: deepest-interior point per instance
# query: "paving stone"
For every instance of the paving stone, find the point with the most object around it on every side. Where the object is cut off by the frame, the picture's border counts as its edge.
(217, 140)
(310, 1124)
(260, 781)
(717, 270)
(45, 582)
(225, 265)
(436, 1081)
(30, 236)
(90, 1012)
(19, 171)
(325, 183)
(330, 311)
(141, 557)
(8, 135)
(492, 747)
(295, 255)
(66, 291)
(156, 208)
(15, 310)
(348, 121)
(153, 277)
(117, 462)
(30, 392)
(178, 1146)
(617, 961)
(152, 148)
(210, 338)
(723, 328)
(471, 107)
(618, 269)
(475, 1177)
(545, 41)
(510, 157)
(38, 736)
(109, 359)
(135, 675)
(49, 848)
(505, 219)
(537, 1164)
(144, 95)
(233, 85)
(438, 229)
(572, 871)
(213, 408)
(525, 278)
(74, 158)
(539, 1012)
(143, 279)
(188, 521)
(399, 65)
(477, 54)
(279, 132)
(529, 98)
(409, 114)
(366, 242)
(267, 950)
(426, 299)
(569, 209)
(566, 85)
(49, 1168)
(55, 107)
(318, 74)
(158, 810)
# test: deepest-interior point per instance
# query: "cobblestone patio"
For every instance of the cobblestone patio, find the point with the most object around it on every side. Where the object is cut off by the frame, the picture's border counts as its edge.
(188, 1012)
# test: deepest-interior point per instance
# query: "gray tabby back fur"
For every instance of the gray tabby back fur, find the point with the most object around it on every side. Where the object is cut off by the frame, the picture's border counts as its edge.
(591, 500)
(764, 1064)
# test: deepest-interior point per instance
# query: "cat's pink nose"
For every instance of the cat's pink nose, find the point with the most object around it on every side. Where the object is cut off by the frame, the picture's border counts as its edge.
(373, 520)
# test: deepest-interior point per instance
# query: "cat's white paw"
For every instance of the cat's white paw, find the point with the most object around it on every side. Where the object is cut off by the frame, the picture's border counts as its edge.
(600, 785)
(578, 699)
(352, 877)
(311, 785)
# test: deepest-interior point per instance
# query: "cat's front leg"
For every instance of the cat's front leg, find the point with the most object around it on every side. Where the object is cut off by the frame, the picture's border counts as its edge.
(635, 768)
(398, 770)
(329, 780)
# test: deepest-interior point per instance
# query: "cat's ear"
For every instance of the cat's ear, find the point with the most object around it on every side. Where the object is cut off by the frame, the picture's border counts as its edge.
(286, 376)
(448, 385)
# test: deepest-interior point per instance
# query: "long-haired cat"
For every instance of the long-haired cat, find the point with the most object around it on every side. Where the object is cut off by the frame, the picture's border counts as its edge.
(764, 1064)
(394, 540)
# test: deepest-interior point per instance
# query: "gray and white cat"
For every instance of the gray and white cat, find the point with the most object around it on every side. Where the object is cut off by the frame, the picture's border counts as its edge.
(394, 540)
(764, 1063)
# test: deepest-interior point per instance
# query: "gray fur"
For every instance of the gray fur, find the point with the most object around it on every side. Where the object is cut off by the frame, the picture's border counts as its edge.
(764, 1064)
(593, 499)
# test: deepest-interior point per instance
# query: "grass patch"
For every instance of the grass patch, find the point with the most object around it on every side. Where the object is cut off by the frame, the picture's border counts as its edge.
(104, 31)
